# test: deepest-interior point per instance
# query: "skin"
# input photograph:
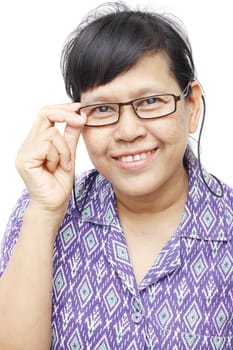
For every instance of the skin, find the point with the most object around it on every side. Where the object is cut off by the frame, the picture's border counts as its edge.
(152, 180)
(155, 187)
(46, 163)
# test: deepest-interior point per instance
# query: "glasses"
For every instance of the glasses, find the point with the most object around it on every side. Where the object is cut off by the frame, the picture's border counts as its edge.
(150, 107)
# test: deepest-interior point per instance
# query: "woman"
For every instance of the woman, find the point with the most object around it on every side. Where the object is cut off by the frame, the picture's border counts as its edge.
(139, 256)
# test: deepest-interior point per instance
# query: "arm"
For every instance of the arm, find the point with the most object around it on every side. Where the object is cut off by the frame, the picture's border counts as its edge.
(46, 163)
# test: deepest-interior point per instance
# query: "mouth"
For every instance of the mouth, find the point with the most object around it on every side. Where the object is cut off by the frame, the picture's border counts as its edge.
(135, 161)
(134, 158)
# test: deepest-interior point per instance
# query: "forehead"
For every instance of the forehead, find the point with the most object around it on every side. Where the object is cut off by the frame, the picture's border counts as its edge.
(151, 75)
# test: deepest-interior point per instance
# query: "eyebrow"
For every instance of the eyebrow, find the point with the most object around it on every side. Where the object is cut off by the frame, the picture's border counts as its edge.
(97, 99)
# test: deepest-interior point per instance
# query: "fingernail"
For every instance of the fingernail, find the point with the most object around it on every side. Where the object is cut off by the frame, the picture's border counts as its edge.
(75, 105)
(69, 165)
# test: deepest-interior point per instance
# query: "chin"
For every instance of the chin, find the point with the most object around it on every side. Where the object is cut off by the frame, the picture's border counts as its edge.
(136, 188)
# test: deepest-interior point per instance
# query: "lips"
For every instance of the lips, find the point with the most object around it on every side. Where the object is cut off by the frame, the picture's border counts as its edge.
(135, 160)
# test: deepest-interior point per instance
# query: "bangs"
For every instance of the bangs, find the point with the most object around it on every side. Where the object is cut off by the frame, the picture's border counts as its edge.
(113, 46)
(108, 44)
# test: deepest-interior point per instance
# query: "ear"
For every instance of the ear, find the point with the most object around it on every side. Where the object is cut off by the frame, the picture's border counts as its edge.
(194, 106)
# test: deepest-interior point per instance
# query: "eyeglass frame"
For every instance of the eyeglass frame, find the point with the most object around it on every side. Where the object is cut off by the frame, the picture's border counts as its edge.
(184, 94)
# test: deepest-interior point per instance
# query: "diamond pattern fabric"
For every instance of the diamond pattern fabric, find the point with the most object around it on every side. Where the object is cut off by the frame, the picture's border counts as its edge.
(185, 301)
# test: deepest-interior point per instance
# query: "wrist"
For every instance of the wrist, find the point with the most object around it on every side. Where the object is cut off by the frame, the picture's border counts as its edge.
(43, 221)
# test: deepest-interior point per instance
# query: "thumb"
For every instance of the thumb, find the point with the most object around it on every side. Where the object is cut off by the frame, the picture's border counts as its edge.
(71, 135)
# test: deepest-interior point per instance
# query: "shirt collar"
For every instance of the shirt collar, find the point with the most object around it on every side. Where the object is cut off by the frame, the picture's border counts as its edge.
(205, 215)
(95, 199)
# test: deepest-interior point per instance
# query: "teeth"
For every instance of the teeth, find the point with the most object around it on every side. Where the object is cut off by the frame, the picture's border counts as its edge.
(144, 155)
(129, 159)
(136, 157)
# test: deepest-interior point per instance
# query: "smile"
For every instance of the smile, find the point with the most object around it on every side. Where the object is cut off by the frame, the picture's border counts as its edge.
(135, 157)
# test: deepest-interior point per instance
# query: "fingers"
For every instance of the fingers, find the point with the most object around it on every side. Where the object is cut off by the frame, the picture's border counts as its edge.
(58, 152)
(52, 158)
(51, 148)
(71, 136)
(64, 113)
(48, 153)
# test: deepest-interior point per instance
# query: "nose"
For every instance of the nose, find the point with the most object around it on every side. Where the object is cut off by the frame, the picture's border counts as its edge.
(129, 126)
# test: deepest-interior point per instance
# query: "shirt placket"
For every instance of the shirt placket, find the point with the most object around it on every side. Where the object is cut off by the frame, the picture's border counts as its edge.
(117, 254)
(142, 319)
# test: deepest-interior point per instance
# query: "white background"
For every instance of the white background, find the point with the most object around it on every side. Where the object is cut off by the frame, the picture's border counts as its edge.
(32, 34)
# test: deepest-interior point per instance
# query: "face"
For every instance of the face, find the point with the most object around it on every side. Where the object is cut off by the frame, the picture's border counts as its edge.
(142, 157)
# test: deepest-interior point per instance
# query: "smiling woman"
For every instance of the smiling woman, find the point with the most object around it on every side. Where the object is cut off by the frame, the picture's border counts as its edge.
(139, 255)
(163, 139)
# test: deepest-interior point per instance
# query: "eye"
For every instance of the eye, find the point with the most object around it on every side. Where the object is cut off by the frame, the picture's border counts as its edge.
(150, 100)
(103, 109)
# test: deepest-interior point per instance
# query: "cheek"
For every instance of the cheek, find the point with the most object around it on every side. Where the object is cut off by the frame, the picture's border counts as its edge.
(172, 131)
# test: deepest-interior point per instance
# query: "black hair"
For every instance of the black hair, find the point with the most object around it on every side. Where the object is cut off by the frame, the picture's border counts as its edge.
(112, 38)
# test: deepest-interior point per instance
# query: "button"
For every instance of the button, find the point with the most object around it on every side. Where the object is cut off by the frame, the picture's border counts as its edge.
(137, 317)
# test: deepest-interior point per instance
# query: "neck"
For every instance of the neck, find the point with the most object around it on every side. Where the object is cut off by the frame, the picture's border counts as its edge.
(172, 193)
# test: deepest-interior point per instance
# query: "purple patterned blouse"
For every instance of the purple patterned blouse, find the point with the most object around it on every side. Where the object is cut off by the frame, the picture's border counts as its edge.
(184, 302)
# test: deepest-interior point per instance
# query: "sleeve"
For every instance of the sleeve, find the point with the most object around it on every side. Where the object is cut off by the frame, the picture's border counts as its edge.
(12, 230)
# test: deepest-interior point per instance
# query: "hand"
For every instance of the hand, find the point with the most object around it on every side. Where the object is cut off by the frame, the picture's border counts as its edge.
(46, 159)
